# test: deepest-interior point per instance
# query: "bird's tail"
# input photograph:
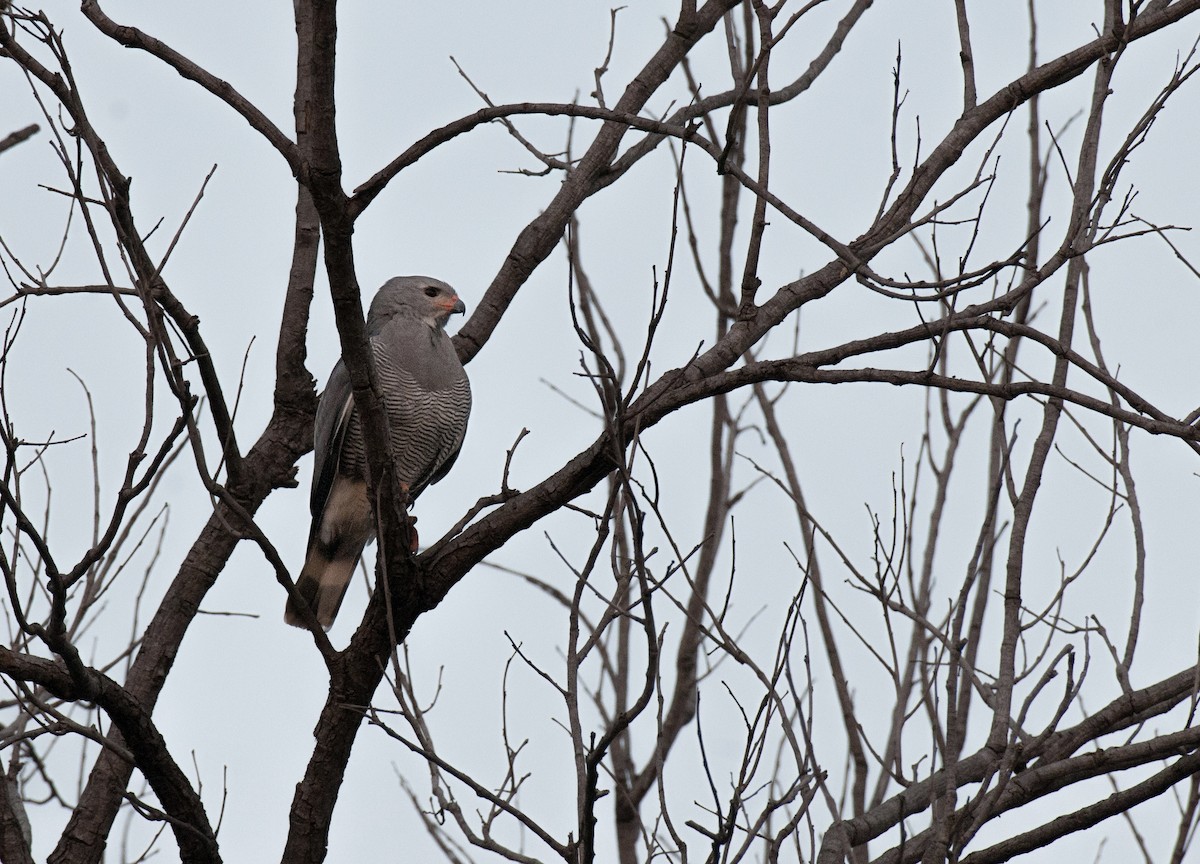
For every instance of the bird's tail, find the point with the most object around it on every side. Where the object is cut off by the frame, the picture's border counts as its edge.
(323, 582)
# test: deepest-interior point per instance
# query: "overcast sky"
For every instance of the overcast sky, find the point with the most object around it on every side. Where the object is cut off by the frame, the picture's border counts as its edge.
(246, 690)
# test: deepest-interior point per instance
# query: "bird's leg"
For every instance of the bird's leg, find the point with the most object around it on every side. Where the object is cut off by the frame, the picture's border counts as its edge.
(413, 541)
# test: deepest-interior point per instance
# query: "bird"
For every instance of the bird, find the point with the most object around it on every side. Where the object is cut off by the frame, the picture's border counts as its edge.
(427, 397)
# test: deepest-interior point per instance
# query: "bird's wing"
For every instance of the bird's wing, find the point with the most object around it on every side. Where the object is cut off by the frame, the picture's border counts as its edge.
(329, 432)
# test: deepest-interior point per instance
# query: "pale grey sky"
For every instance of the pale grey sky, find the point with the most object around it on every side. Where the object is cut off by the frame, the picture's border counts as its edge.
(246, 690)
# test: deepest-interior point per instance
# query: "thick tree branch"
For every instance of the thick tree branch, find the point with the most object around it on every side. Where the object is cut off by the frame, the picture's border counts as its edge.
(132, 37)
(189, 821)
(12, 139)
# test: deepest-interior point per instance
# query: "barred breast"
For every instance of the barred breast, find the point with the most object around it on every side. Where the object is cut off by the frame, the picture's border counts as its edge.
(427, 426)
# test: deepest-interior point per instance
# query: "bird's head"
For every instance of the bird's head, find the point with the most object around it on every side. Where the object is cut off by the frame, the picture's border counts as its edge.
(431, 300)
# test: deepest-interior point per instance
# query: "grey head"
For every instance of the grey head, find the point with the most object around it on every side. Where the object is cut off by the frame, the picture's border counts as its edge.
(419, 297)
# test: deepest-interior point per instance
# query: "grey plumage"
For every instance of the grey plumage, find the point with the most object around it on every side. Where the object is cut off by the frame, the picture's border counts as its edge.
(427, 398)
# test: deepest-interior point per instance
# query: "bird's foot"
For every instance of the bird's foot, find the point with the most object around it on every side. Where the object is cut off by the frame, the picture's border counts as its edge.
(414, 542)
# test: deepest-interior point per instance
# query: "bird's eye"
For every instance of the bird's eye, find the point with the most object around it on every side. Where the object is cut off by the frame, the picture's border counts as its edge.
(431, 291)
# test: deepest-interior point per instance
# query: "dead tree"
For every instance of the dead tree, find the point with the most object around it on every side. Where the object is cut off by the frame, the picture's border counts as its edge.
(743, 665)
